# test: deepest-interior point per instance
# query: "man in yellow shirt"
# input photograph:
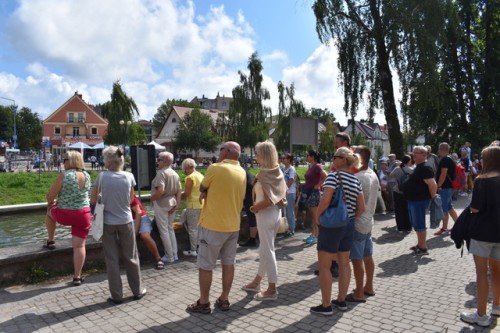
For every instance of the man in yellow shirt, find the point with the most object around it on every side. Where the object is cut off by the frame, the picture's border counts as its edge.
(223, 190)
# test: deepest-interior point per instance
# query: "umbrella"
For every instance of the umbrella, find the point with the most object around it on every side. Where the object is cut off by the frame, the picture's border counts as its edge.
(157, 145)
(79, 145)
(100, 145)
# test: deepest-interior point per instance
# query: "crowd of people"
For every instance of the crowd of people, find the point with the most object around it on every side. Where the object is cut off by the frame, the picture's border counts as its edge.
(214, 203)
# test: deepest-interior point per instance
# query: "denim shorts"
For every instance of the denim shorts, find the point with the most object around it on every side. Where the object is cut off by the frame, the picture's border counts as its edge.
(446, 194)
(146, 225)
(335, 240)
(485, 249)
(416, 210)
(362, 245)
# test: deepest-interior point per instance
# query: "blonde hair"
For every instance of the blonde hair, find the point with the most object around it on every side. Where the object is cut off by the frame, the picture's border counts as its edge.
(188, 163)
(352, 159)
(491, 159)
(75, 160)
(113, 158)
(268, 152)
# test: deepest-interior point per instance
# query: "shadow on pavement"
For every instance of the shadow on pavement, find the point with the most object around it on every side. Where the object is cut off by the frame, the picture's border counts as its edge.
(403, 265)
(219, 321)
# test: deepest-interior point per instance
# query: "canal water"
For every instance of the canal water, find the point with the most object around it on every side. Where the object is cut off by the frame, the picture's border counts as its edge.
(29, 227)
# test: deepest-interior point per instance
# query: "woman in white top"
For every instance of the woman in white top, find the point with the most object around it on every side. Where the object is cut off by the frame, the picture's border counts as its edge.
(269, 190)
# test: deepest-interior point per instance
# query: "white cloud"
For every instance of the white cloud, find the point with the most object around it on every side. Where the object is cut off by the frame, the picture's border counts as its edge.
(276, 55)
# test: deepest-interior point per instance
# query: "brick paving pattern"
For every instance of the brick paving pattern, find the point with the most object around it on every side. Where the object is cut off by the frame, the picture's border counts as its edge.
(413, 294)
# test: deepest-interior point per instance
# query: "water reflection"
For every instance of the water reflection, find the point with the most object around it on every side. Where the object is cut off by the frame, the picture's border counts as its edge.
(29, 227)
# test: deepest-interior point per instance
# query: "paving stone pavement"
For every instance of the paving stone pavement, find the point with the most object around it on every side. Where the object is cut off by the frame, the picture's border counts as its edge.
(413, 294)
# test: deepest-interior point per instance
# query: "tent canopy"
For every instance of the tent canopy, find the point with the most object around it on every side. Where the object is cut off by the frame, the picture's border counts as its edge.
(100, 145)
(79, 145)
(157, 145)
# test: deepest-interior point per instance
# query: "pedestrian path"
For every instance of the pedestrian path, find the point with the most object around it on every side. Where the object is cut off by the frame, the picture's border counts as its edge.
(413, 294)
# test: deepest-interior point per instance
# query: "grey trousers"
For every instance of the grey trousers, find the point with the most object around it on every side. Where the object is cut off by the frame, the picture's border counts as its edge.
(119, 241)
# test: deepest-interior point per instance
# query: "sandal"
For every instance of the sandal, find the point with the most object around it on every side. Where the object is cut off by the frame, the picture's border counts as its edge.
(78, 281)
(222, 305)
(160, 265)
(51, 245)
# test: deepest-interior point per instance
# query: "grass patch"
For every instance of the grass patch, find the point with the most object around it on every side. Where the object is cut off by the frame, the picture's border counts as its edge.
(32, 187)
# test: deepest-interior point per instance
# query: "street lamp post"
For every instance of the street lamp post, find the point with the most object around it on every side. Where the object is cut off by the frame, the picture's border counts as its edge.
(126, 124)
(14, 137)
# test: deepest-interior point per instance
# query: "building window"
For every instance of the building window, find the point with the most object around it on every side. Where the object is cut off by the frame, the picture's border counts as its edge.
(174, 120)
(57, 130)
(223, 104)
(76, 132)
(71, 117)
(93, 130)
(81, 118)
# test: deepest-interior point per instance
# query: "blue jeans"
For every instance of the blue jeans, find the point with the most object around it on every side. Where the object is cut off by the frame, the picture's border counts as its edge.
(290, 211)
(446, 194)
(417, 210)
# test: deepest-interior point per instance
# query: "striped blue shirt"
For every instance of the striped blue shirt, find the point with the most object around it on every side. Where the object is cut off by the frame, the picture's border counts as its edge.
(351, 187)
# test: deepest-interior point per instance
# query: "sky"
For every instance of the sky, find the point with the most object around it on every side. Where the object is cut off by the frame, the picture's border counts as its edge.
(161, 49)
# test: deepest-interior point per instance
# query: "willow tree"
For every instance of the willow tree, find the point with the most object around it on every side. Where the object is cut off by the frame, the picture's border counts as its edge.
(247, 114)
(120, 108)
(361, 34)
(288, 107)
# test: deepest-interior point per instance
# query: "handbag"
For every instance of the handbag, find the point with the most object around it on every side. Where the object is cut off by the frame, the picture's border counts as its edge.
(336, 215)
(98, 217)
(283, 224)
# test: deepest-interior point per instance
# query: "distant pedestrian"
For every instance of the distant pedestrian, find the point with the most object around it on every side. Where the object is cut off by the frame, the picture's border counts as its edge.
(400, 174)
(444, 176)
(290, 174)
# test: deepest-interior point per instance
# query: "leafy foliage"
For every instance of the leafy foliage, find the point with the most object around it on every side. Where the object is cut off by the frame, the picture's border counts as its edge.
(29, 130)
(121, 107)
(246, 122)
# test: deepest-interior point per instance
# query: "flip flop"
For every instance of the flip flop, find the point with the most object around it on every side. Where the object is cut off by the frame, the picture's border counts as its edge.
(366, 293)
(350, 298)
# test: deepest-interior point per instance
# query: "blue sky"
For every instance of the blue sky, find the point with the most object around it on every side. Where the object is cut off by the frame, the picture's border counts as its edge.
(160, 49)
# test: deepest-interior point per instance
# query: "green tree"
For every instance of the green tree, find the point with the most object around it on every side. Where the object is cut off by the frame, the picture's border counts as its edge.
(195, 132)
(165, 108)
(364, 37)
(6, 123)
(121, 107)
(29, 135)
(327, 138)
(247, 114)
(323, 115)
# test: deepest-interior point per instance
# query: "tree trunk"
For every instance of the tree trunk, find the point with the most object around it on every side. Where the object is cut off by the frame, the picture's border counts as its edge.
(385, 81)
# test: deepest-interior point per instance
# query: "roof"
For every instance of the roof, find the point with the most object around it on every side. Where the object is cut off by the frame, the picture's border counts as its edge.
(182, 111)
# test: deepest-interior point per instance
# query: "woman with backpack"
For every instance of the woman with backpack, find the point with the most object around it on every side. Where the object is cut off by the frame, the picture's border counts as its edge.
(401, 174)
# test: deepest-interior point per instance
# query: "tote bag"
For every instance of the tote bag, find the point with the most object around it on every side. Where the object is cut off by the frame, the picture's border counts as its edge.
(98, 217)
(336, 215)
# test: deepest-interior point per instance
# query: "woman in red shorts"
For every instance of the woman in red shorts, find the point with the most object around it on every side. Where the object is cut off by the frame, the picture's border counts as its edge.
(68, 204)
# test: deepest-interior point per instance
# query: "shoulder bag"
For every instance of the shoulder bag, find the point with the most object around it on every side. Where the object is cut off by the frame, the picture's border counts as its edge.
(98, 217)
(283, 223)
(336, 215)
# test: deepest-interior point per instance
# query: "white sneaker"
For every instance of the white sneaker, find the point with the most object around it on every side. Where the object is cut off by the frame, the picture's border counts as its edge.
(495, 310)
(474, 318)
(176, 258)
(190, 253)
(167, 260)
